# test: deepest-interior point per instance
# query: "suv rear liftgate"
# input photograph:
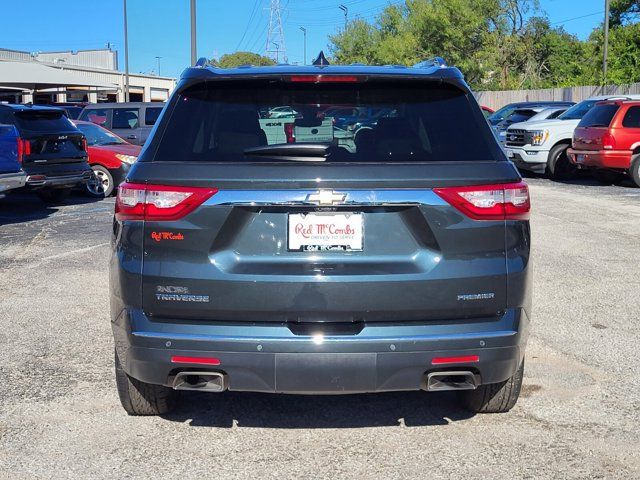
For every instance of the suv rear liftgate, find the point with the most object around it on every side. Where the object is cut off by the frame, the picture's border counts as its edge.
(391, 257)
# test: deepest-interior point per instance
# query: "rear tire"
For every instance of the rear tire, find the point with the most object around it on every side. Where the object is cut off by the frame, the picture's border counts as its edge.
(634, 170)
(559, 167)
(53, 196)
(495, 397)
(140, 398)
(607, 177)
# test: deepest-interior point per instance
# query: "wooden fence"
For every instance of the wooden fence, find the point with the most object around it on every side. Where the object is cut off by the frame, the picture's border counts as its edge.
(499, 98)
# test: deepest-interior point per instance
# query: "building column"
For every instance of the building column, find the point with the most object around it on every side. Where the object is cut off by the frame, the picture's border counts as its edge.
(147, 94)
(93, 97)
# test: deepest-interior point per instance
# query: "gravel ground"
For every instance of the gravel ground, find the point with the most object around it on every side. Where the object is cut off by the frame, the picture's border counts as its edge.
(577, 417)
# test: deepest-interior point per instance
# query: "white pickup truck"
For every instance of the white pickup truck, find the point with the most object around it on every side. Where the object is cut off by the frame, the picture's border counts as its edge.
(541, 146)
(285, 130)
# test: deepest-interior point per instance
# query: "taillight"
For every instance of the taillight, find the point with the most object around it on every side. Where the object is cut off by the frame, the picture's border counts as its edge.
(158, 202)
(490, 202)
(24, 148)
(290, 132)
(608, 141)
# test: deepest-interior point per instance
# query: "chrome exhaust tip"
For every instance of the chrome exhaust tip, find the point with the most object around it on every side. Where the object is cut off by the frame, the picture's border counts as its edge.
(455, 380)
(200, 381)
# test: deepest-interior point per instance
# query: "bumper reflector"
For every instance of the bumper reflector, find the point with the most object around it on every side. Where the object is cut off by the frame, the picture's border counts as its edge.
(450, 360)
(197, 360)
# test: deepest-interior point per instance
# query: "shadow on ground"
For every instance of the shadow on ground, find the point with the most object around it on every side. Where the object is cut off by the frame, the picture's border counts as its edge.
(18, 207)
(263, 410)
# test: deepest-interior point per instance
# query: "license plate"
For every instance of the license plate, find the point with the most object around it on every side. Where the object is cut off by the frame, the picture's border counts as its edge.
(509, 153)
(312, 232)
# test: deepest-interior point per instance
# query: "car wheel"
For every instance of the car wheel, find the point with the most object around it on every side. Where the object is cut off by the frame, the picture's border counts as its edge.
(495, 397)
(634, 170)
(53, 195)
(559, 167)
(607, 177)
(140, 398)
(101, 183)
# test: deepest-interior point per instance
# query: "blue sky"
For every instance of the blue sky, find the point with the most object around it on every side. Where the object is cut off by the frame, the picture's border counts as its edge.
(161, 27)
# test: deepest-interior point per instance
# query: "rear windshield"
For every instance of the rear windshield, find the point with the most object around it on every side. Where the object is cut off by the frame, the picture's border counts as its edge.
(599, 116)
(521, 115)
(43, 121)
(368, 122)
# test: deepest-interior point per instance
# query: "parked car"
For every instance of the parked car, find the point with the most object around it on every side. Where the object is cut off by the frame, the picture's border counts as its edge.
(531, 114)
(282, 112)
(486, 111)
(132, 121)
(607, 141)
(541, 146)
(308, 268)
(502, 113)
(110, 157)
(73, 109)
(52, 149)
(11, 152)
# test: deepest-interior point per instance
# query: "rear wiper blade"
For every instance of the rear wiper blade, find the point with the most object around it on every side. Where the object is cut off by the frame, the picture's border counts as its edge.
(295, 152)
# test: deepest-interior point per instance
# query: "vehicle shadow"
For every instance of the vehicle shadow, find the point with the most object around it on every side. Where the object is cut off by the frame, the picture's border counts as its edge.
(19, 207)
(264, 410)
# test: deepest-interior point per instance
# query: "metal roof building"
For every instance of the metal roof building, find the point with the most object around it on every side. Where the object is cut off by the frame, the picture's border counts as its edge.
(89, 76)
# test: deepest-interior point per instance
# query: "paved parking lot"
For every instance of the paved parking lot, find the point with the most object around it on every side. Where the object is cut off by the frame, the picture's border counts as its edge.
(578, 415)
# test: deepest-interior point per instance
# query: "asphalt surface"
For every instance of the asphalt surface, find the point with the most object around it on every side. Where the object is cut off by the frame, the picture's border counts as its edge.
(577, 417)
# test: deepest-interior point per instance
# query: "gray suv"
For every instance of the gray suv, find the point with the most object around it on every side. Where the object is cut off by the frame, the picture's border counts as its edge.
(389, 258)
(132, 121)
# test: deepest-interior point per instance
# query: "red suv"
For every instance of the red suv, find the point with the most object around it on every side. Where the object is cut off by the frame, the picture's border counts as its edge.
(607, 141)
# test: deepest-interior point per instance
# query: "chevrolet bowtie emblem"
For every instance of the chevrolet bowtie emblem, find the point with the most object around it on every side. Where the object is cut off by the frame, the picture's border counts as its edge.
(326, 197)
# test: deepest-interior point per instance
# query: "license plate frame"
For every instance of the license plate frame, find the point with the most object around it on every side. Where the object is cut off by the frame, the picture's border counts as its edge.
(325, 239)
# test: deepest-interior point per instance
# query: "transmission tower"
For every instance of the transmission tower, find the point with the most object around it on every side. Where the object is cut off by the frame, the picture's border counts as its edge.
(276, 48)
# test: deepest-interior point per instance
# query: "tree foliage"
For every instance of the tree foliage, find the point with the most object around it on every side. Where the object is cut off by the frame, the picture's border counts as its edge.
(230, 60)
(498, 44)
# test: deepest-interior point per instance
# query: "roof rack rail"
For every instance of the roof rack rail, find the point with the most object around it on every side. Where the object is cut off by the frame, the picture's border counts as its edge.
(432, 62)
(203, 62)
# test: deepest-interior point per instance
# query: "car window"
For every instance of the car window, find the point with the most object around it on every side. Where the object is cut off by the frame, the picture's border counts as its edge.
(98, 136)
(599, 116)
(43, 121)
(98, 116)
(125, 118)
(151, 115)
(556, 114)
(577, 111)
(632, 118)
(412, 123)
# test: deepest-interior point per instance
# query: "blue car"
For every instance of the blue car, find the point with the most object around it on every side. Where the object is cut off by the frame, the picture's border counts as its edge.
(11, 173)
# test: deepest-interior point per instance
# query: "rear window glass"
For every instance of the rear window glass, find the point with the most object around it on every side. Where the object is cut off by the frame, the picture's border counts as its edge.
(43, 121)
(369, 122)
(599, 116)
(632, 118)
(521, 116)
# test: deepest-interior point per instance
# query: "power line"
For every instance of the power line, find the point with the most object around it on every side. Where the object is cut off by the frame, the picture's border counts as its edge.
(253, 13)
(578, 18)
(275, 34)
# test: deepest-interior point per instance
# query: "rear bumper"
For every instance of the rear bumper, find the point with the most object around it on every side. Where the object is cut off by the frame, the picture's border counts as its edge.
(614, 159)
(9, 181)
(62, 175)
(271, 358)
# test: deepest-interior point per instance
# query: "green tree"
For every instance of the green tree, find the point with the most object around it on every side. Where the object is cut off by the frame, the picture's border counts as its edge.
(231, 60)
(498, 44)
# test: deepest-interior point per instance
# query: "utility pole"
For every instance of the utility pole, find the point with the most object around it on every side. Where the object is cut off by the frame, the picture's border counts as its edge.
(304, 58)
(346, 13)
(126, 54)
(158, 59)
(605, 51)
(194, 54)
(275, 34)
